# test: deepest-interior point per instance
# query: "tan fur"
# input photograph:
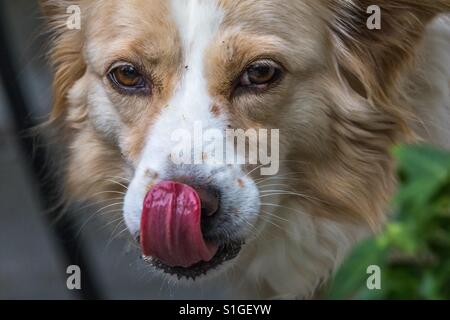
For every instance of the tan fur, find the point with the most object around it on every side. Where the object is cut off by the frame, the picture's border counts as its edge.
(342, 106)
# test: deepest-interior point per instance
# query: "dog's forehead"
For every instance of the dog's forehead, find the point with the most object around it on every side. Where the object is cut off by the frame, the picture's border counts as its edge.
(154, 17)
(164, 30)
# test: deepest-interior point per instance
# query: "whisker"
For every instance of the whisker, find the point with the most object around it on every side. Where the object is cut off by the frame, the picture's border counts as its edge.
(91, 204)
(281, 175)
(275, 185)
(91, 216)
(275, 190)
(253, 170)
(111, 222)
(121, 178)
(272, 223)
(253, 229)
(118, 183)
(259, 181)
(84, 224)
(108, 206)
(110, 212)
(103, 192)
(283, 194)
(121, 231)
(284, 207)
(111, 238)
(276, 205)
(290, 193)
(274, 216)
(118, 234)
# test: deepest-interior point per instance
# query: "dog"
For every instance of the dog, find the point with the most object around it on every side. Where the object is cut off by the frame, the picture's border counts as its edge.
(341, 94)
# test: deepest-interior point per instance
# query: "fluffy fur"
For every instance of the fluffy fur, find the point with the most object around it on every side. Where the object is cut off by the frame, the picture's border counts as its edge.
(349, 94)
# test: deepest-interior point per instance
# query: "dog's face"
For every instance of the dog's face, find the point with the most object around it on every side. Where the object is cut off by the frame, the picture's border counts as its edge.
(139, 71)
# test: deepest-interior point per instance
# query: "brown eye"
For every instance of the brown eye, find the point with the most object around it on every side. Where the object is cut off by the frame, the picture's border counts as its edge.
(127, 78)
(260, 74)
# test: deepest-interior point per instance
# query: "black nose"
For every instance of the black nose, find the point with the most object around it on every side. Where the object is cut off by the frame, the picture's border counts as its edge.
(210, 201)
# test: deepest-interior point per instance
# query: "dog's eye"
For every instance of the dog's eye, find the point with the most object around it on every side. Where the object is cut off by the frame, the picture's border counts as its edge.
(127, 77)
(260, 75)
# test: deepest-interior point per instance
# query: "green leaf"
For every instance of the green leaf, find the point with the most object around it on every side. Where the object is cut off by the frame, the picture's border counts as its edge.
(413, 252)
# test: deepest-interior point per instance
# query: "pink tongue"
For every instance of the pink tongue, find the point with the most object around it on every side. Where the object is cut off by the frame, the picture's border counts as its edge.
(170, 226)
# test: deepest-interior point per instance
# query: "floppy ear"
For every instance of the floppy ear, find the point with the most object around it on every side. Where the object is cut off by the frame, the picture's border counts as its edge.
(377, 56)
(65, 52)
(53, 7)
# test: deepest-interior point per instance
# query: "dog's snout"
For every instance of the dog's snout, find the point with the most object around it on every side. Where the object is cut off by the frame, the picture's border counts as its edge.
(210, 201)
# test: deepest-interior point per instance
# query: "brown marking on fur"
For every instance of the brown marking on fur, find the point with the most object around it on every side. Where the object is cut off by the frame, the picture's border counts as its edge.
(356, 148)
(215, 110)
(340, 139)
(226, 61)
(151, 174)
(154, 46)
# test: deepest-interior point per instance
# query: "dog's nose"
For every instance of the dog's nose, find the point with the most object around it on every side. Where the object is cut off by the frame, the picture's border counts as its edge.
(210, 201)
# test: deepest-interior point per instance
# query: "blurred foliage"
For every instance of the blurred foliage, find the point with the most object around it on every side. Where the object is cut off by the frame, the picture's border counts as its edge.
(413, 251)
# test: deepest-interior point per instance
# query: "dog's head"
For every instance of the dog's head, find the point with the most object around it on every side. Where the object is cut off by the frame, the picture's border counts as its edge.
(140, 78)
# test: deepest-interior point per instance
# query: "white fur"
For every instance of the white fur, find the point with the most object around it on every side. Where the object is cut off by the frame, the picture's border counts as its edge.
(293, 259)
(198, 23)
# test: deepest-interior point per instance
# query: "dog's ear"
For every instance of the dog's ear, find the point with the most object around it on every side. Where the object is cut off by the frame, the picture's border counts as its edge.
(52, 7)
(377, 55)
(66, 50)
